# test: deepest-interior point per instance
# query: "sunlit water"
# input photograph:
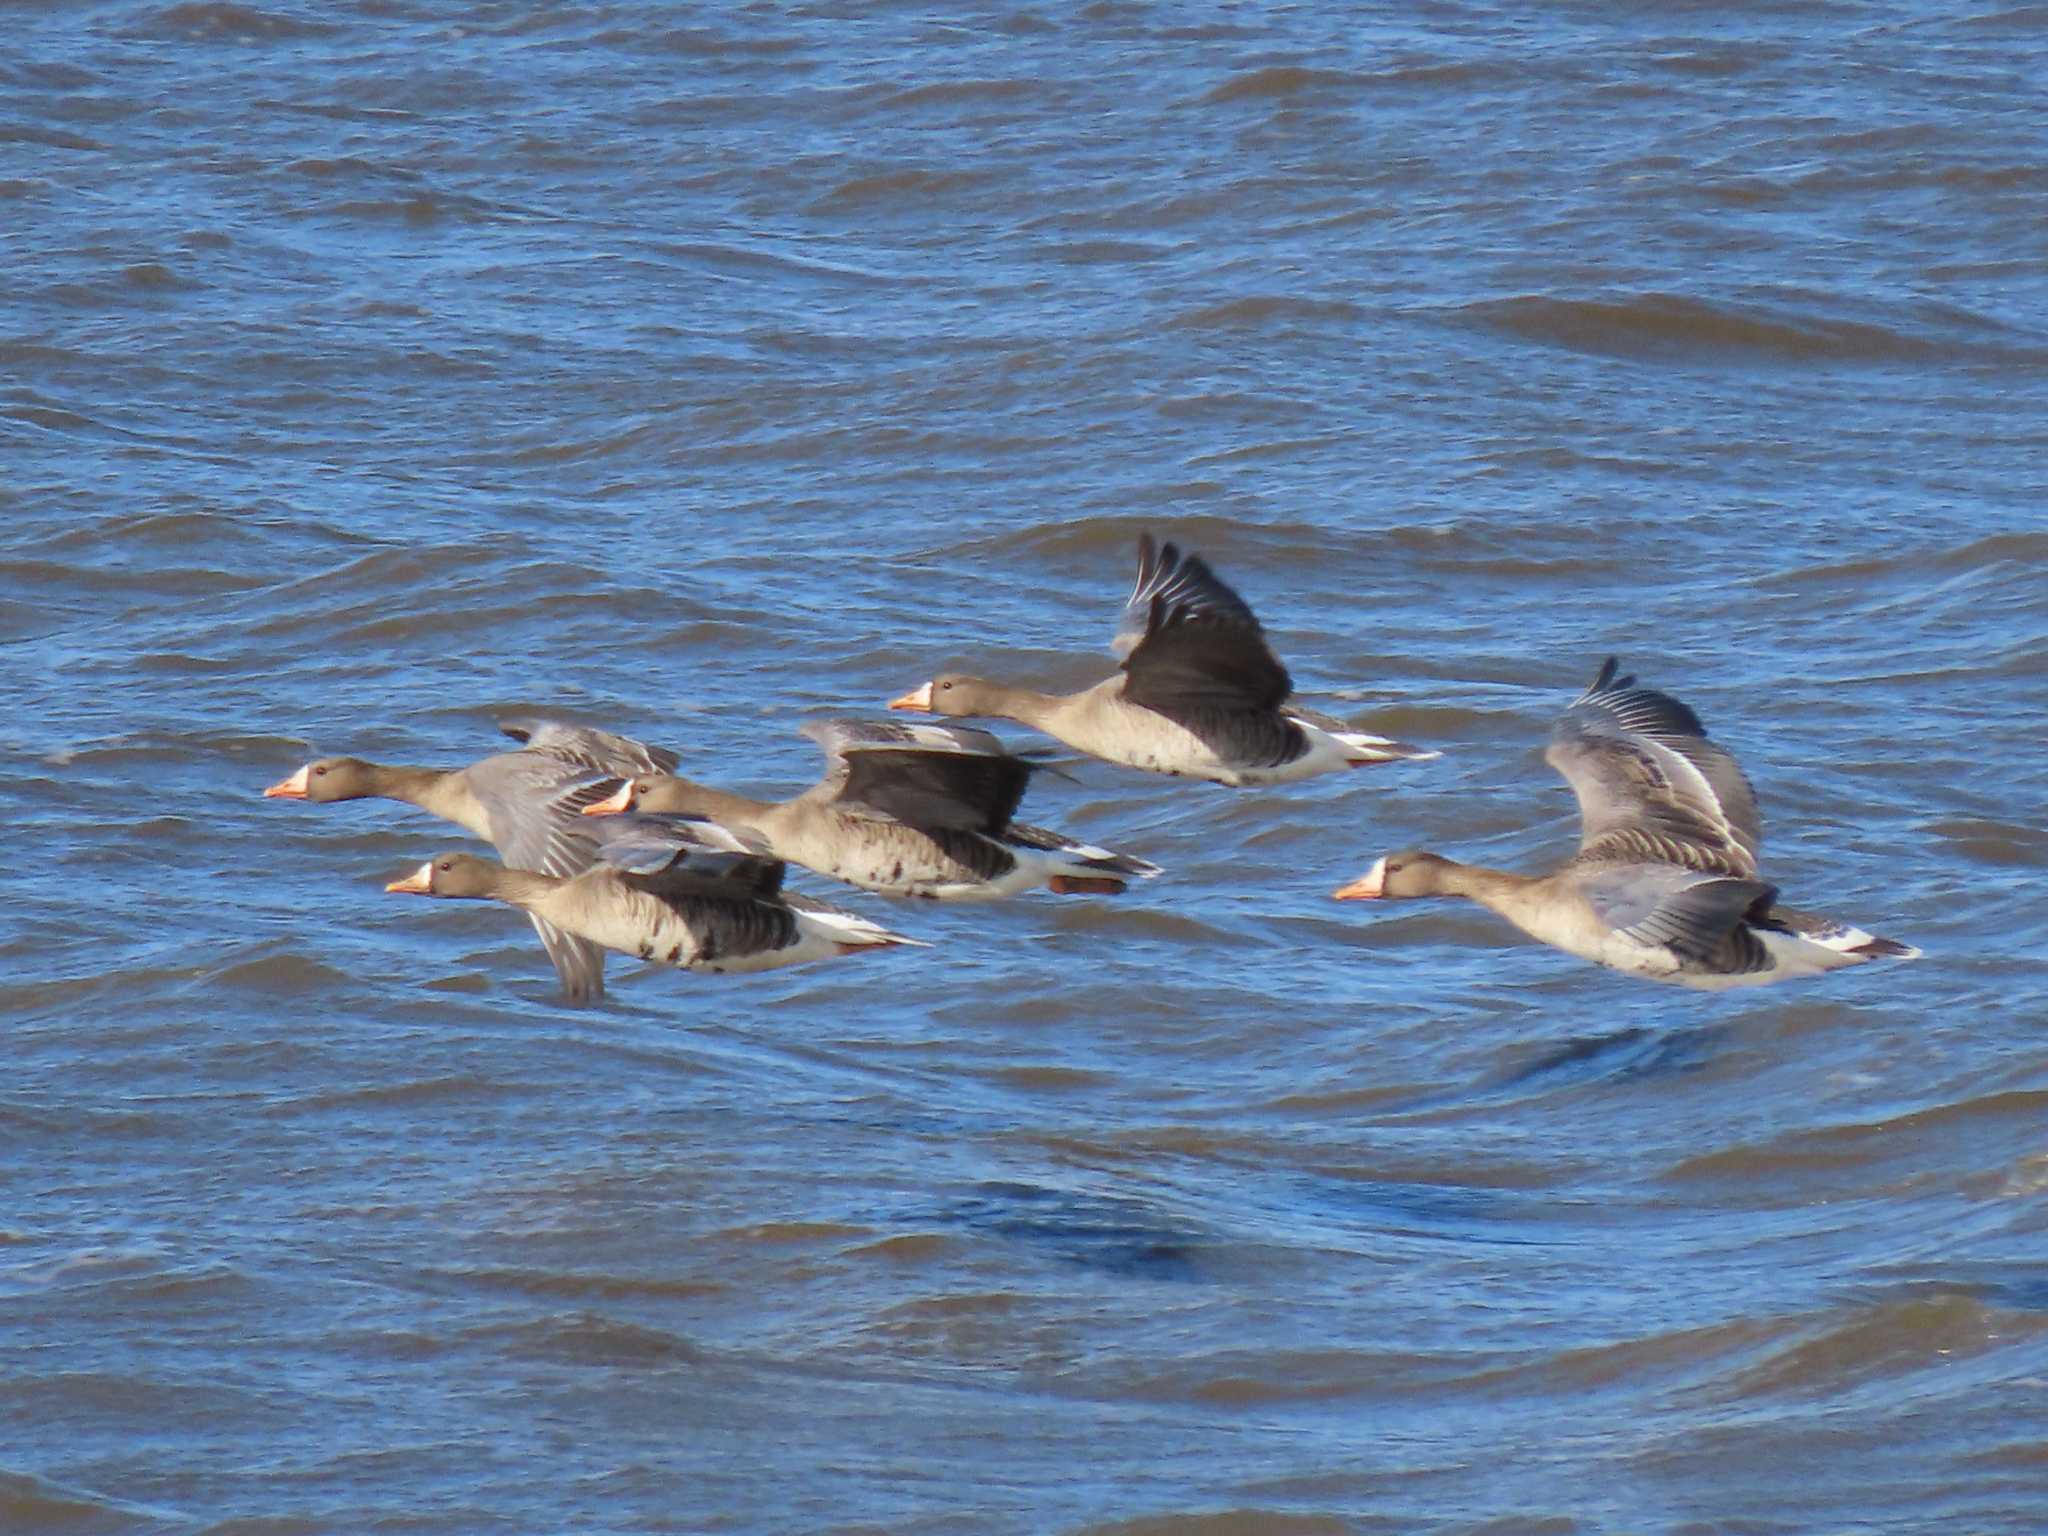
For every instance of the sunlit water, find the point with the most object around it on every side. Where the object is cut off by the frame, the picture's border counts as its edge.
(370, 371)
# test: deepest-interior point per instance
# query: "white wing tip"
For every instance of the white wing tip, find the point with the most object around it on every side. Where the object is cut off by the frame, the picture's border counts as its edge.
(1364, 748)
(855, 929)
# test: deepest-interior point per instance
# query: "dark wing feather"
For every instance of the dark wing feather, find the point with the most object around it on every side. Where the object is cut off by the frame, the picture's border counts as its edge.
(1165, 577)
(936, 791)
(729, 929)
(673, 857)
(1198, 646)
(1649, 783)
(937, 778)
(1698, 917)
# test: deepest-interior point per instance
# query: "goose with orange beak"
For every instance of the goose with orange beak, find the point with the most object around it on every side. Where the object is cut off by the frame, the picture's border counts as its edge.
(1200, 694)
(524, 803)
(1665, 884)
(906, 810)
(672, 890)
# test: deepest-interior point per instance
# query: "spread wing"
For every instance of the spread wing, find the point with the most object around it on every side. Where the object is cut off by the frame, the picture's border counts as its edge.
(1694, 914)
(673, 857)
(532, 801)
(939, 778)
(1650, 785)
(1190, 644)
(580, 746)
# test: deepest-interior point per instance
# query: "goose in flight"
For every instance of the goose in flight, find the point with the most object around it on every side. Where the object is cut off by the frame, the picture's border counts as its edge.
(1665, 883)
(1200, 693)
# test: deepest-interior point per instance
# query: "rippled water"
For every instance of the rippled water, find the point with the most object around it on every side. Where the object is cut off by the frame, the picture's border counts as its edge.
(368, 371)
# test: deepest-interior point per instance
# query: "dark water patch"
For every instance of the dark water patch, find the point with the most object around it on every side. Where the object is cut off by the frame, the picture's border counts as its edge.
(1998, 843)
(1283, 448)
(1998, 554)
(1084, 253)
(1853, 1155)
(161, 535)
(1260, 311)
(2016, 21)
(418, 210)
(909, 187)
(1676, 1360)
(50, 74)
(93, 1125)
(335, 111)
(1690, 57)
(905, 1248)
(1244, 1520)
(588, 1339)
(1245, 1380)
(286, 975)
(51, 418)
(1047, 1079)
(29, 1504)
(761, 261)
(1625, 1055)
(569, 1285)
(413, 1096)
(155, 277)
(1282, 82)
(709, 42)
(1678, 327)
(1120, 1237)
(1889, 1343)
(960, 93)
(142, 1404)
(622, 439)
(175, 1294)
(220, 20)
(1105, 545)
(346, 168)
(165, 581)
(1440, 1212)
(82, 1269)
(48, 138)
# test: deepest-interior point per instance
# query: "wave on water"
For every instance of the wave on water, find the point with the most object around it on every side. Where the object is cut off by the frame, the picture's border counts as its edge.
(220, 20)
(1685, 327)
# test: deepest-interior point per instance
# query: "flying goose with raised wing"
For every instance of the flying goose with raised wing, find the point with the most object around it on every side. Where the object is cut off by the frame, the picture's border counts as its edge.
(524, 803)
(1665, 884)
(907, 810)
(1200, 693)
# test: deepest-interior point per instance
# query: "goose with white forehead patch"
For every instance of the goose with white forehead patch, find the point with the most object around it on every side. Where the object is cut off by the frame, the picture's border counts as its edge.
(524, 803)
(906, 810)
(670, 889)
(1665, 883)
(1200, 693)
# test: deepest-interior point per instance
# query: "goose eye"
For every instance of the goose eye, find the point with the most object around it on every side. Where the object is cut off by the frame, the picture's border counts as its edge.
(319, 773)
(446, 864)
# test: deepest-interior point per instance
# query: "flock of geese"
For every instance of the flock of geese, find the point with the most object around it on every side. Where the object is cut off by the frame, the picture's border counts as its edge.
(605, 846)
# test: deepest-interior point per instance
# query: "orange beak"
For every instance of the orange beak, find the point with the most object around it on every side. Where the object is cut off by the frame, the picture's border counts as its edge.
(613, 804)
(419, 883)
(919, 698)
(1370, 886)
(293, 788)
